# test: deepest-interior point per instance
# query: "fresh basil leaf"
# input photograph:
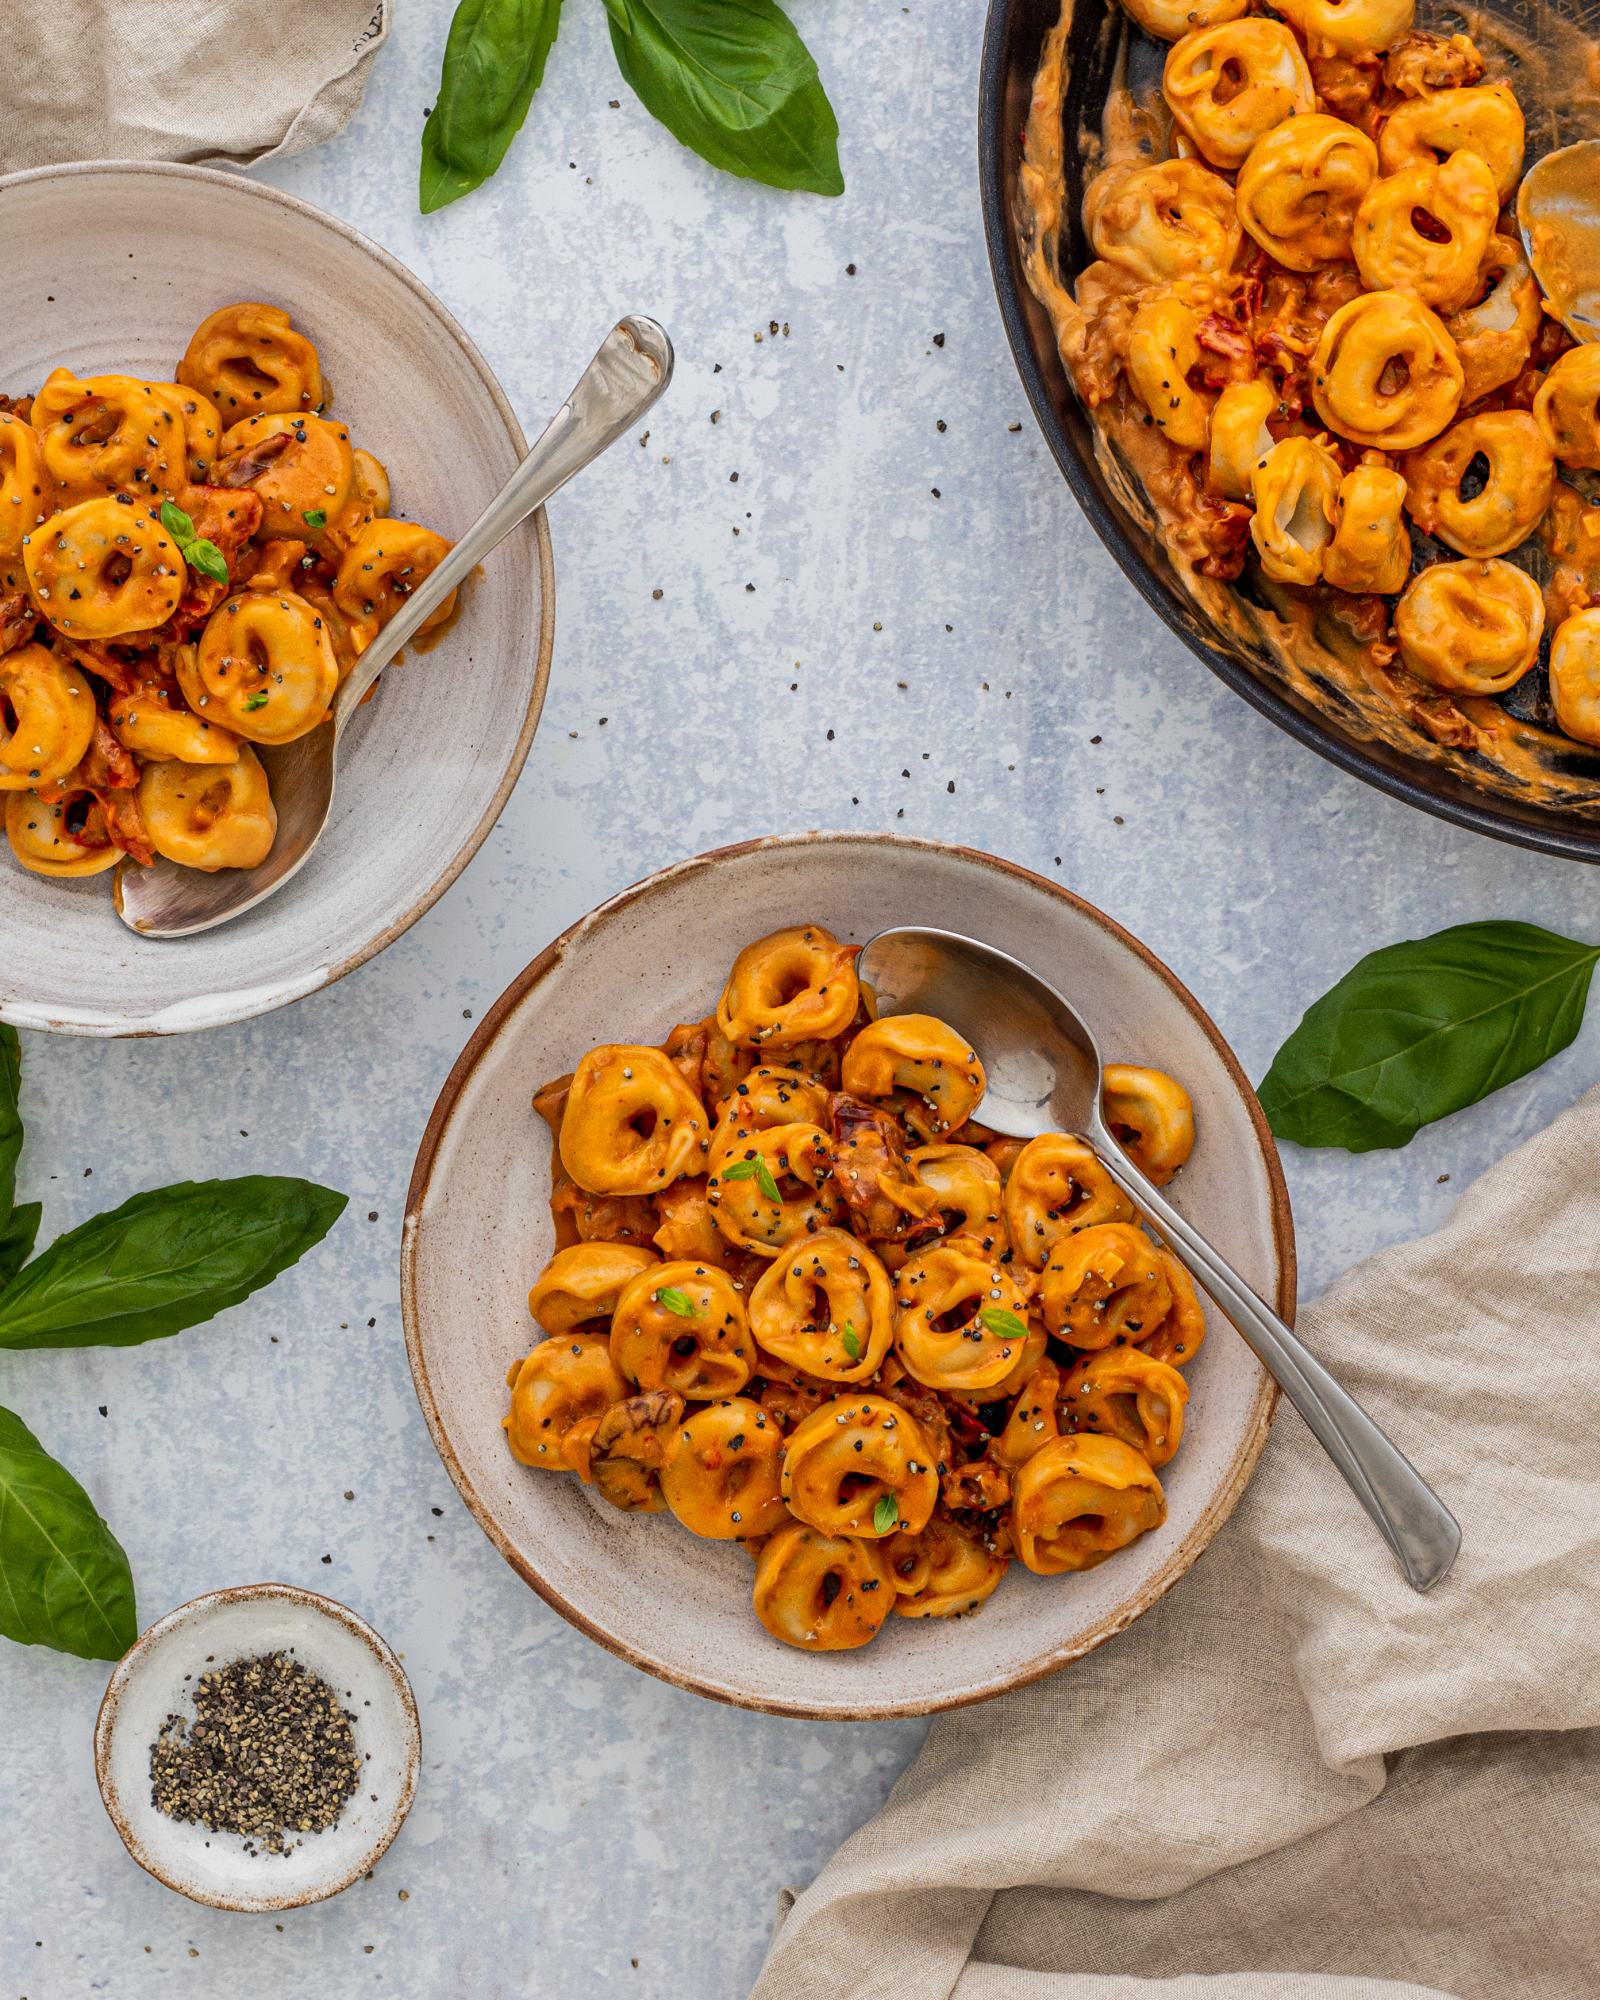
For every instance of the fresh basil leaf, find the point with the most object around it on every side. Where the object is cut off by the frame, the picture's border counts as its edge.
(17, 1234)
(1421, 1029)
(208, 559)
(315, 517)
(255, 701)
(998, 1320)
(851, 1341)
(675, 1301)
(10, 1115)
(733, 81)
(766, 1183)
(739, 1170)
(493, 63)
(177, 523)
(64, 1580)
(163, 1261)
(886, 1513)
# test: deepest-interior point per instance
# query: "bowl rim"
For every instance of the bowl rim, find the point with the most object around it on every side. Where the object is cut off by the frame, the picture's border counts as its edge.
(244, 1005)
(109, 1714)
(1480, 813)
(1218, 1508)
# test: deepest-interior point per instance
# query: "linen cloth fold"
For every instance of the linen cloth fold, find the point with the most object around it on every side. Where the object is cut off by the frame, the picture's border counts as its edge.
(219, 80)
(1295, 1779)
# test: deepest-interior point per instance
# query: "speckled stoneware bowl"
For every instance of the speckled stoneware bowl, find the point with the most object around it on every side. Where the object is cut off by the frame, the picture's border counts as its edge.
(478, 1231)
(155, 1679)
(109, 268)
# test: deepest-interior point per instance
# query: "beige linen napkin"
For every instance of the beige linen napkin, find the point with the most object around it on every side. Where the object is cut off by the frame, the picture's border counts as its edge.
(223, 80)
(1295, 1777)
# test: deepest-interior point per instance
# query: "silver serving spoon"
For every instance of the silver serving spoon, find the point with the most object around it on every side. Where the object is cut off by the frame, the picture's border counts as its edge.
(1558, 213)
(630, 370)
(1044, 1073)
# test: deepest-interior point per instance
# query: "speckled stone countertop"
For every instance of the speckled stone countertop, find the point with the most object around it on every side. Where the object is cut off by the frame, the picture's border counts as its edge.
(839, 585)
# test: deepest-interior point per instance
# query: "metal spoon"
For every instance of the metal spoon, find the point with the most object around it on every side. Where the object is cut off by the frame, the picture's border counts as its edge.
(630, 370)
(1558, 213)
(1043, 1074)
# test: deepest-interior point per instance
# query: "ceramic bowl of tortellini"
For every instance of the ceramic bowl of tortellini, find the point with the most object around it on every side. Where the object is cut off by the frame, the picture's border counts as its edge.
(233, 434)
(708, 1423)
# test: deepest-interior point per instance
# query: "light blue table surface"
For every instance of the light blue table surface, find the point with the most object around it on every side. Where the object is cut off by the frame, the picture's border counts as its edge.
(968, 665)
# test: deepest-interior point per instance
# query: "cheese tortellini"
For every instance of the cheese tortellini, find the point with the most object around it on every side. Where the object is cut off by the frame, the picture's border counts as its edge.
(801, 1300)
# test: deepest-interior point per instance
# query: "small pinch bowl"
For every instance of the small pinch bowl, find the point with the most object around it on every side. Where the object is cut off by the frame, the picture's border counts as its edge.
(111, 266)
(477, 1233)
(155, 1678)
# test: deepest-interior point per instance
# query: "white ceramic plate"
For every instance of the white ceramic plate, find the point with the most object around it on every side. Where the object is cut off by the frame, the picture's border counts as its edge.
(478, 1231)
(109, 268)
(155, 1679)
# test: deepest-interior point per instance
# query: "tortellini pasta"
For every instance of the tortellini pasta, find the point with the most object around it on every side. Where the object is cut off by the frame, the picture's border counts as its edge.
(1300, 186)
(209, 816)
(1166, 220)
(901, 1316)
(1295, 488)
(1567, 408)
(1229, 85)
(264, 667)
(1371, 548)
(1517, 479)
(47, 718)
(1354, 27)
(1385, 373)
(1471, 627)
(100, 570)
(249, 360)
(1575, 674)
(1425, 230)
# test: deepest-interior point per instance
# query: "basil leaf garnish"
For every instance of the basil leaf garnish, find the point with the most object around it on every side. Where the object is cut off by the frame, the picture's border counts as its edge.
(886, 1513)
(493, 63)
(851, 1341)
(176, 522)
(733, 81)
(1421, 1029)
(163, 1261)
(64, 1580)
(315, 517)
(208, 559)
(675, 1301)
(998, 1320)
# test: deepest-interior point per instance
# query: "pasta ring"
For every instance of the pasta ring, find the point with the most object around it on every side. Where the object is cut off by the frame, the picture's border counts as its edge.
(793, 985)
(1163, 346)
(1057, 1187)
(1371, 546)
(1179, 1337)
(1034, 1421)
(1103, 1285)
(1494, 335)
(1354, 27)
(971, 1199)
(1385, 372)
(1165, 220)
(748, 1216)
(1295, 488)
(1081, 1499)
(209, 816)
(847, 1458)
(109, 434)
(1239, 436)
(247, 358)
(1575, 674)
(823, 1593)
(623, 1451)
(100, 569)
(47, 718)
(1484, 119)
(938, 1070)
(1300, 186)
(1167, 20)
(943, 1572)
(1471, 627)
(264, 666)
(1567, 408)
(1124, 1394)
(584, 1282)
(559, 1384)
(381, 569)
(941, 1332)
(309, 475)
(1229, 85)
(1393, 254)
(26, 497)
(698, 1353)
(197, 419)
(631, 1123)
(825, 1293)
(767, 1097)
(1520, 480)
(65, 838)
(154, 723)
(723, 1478)
(1151, 1118)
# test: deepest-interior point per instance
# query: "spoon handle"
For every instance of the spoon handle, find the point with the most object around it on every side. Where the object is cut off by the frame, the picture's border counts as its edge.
(631, 367)
(1410, 1516)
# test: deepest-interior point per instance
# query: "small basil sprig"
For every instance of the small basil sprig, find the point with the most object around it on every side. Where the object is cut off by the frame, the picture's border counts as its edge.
(753, 1170)
(730, 79)
(675, 1301)
(196, 551)
(1421, 1029)
(998, 1320)
(886, 1513)
(162, 1261)
(850, 1340)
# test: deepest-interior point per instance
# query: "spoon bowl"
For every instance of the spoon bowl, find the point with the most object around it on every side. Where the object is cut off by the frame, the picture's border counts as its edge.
(1558, 213)
(1043, 1073)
